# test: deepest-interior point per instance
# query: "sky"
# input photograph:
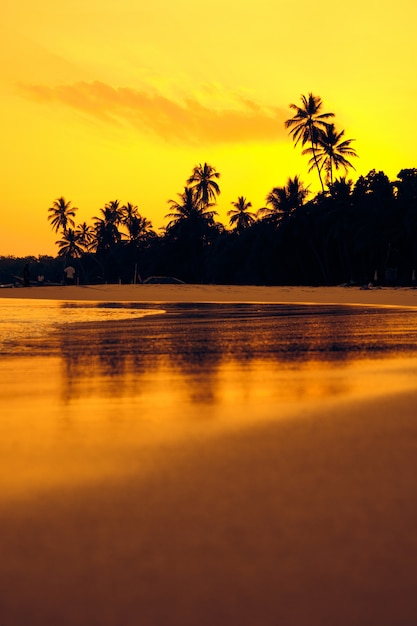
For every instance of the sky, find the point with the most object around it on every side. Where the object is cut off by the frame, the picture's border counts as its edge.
(103, 100)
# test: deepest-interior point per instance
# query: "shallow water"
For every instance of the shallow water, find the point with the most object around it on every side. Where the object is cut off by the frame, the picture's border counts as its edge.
(207, 464)
(87, 387)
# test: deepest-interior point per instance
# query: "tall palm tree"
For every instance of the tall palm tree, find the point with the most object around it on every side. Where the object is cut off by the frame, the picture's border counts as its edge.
(61, 214)
(191, 230)
(70, 244)
(241, 217)
(202, 180)
(307, 124)
(331, 152)
(283, 202)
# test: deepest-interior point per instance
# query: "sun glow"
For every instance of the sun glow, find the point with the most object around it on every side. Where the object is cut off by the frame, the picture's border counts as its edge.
(126, 108)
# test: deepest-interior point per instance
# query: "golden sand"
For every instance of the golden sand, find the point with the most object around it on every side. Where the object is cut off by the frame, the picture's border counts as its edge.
(306, 520)
(404, 297)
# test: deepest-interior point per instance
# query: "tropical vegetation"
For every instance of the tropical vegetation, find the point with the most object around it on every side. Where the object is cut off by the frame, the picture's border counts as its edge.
(350, 232)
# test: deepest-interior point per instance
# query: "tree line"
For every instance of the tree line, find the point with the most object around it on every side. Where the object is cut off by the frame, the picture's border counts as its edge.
(349, 232)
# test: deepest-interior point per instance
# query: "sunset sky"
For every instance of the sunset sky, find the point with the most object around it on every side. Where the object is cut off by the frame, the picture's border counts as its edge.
(104, 100)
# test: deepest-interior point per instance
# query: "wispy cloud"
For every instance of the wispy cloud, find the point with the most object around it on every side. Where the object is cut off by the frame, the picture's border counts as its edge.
(188, 120)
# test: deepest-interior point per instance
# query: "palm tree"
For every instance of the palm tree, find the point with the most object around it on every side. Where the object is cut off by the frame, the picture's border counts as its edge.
(129, 212)
(189, 207)
(331, 152)
(112, 213)
(190, 231)
(284, 201)
(241, 217)
(107, 234)
(61, 214)
(70, 244)
(307, 124)
(202, 180)
(85, 235)
(139, 229)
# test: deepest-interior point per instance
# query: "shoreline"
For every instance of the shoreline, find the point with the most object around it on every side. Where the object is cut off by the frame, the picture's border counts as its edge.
(305, 514)
(384, 296)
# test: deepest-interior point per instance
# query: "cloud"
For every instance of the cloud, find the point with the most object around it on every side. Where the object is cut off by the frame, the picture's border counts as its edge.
(239, 119)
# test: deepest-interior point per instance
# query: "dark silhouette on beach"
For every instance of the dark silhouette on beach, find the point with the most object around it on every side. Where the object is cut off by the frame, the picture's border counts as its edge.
(26, 276)
(69, 272)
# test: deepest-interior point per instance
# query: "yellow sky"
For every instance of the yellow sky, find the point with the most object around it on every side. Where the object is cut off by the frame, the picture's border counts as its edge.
(104, 100)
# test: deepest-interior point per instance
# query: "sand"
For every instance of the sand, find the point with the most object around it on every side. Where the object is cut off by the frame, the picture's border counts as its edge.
(305, 521)
(404, 297)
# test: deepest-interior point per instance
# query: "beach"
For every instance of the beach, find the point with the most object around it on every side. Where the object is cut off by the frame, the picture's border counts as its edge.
(220, 293)
(174, 469)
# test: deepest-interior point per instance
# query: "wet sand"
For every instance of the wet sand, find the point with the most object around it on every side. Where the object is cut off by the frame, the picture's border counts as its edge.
(310, 521)
(220, 293)
(306, 520)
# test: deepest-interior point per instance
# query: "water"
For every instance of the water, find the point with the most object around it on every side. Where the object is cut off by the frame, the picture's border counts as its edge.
(196, 464)
(83, 386)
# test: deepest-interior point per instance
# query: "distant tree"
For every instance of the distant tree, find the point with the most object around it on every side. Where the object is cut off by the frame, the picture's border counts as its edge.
(129, 212)
(406, 192)
(190, 231)
(307, 124)
(70, 245)
(406, 185)
(241, 217)
(202, 180)
(376, 221)
(341, 189)
(61, 215)
(107, 234)
(139, 229)
(330, 152)
(112, 213)
(282, 202)
(85, 236)
(189, 208)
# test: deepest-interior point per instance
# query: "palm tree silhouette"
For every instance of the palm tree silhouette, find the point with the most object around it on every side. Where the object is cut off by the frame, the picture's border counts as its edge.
(139, 229)
(85, 235)
(70, 244)
(112, 213)
(284, 201)
(189, 208)
(241, 217)
(61, 214)
(129, 212)
(202, 180)
(107, 234)
(307, 124)
(331, 151)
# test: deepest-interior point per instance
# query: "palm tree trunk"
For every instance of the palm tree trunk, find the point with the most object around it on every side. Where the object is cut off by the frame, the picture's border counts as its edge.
(313, 148)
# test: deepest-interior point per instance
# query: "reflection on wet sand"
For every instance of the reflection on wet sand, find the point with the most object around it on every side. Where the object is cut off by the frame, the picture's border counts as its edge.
(208, 464)
(200, 345)
(206, 353)
(104, 388)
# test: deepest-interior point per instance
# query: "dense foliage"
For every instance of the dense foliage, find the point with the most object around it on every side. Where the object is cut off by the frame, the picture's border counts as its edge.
(353, 232)
(348, 233)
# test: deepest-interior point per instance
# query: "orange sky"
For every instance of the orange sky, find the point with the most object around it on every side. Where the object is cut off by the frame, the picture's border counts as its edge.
(110, 100)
